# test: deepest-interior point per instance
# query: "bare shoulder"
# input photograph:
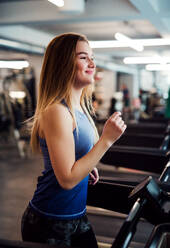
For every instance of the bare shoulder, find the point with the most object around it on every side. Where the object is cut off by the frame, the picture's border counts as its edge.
(56, 116)
(56, 110)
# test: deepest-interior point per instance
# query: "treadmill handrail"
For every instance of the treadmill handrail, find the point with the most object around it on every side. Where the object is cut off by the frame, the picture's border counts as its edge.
(139, 150)
(150, 194)
(156, 235)
(165, 144)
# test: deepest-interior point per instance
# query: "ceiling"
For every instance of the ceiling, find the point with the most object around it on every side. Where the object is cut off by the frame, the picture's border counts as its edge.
(33, 23)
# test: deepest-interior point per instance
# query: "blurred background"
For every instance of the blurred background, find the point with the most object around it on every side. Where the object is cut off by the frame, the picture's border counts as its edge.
(131, 44)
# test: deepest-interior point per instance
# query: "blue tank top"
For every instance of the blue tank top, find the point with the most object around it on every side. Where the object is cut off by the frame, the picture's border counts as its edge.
(50, 199)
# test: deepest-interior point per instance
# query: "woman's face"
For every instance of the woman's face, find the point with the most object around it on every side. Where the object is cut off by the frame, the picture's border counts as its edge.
(85, 65)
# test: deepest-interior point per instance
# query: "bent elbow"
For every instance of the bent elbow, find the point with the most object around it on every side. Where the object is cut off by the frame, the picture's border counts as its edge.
(66, 185)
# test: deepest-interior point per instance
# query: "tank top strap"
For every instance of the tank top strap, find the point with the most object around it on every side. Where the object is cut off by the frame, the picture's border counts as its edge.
(65, 104)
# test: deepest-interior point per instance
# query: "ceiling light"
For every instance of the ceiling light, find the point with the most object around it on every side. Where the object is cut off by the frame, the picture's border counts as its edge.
(17, 64)
(130, 42)
(147, 60)
(17, 94)
(9, 43)
(158, 67)
(155, 42)
(116, 43)
(58, 3)
(22, 46)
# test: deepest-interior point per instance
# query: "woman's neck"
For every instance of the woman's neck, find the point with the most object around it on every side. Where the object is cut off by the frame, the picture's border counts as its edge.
(76, 95)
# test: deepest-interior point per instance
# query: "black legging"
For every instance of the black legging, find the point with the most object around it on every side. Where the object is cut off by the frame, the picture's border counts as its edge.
(75, 233)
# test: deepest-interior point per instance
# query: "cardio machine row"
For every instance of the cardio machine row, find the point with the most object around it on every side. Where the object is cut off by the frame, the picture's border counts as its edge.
(115, 190)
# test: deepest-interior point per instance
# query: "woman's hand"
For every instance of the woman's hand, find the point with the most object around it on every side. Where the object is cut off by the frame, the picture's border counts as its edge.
(113, 128)
(94, 176)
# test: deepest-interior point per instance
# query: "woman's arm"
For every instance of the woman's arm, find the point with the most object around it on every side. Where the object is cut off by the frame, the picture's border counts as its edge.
(57, 126)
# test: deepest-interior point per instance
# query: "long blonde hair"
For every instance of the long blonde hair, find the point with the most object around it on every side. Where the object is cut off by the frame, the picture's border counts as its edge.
(56, 80)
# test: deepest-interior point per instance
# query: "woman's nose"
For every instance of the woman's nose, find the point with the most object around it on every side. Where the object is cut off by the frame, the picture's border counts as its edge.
(91, 63)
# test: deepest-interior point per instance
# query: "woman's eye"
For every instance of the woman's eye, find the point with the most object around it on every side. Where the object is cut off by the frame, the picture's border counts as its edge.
(82, 57)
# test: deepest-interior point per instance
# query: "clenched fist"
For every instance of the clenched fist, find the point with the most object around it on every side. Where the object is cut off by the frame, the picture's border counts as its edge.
(113, 128)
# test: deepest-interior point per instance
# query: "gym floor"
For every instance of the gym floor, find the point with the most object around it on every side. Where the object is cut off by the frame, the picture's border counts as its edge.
(18, 178)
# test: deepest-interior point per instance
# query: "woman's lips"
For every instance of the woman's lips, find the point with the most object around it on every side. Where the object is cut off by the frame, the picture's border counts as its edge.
(90, 72)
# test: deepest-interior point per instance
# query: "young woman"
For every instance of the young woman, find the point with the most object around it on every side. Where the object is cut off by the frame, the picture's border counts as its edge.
(64, 132)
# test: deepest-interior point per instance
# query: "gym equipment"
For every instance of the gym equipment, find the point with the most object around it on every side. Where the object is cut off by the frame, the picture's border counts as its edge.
(120, 189)
(154, 120)
(144, 140)
(140, 148)
(139, 158)
(144, 127)
(149, 199)
(147, 128)
(148, 159)
(106, 225)
(160, 237)
(19, 244)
